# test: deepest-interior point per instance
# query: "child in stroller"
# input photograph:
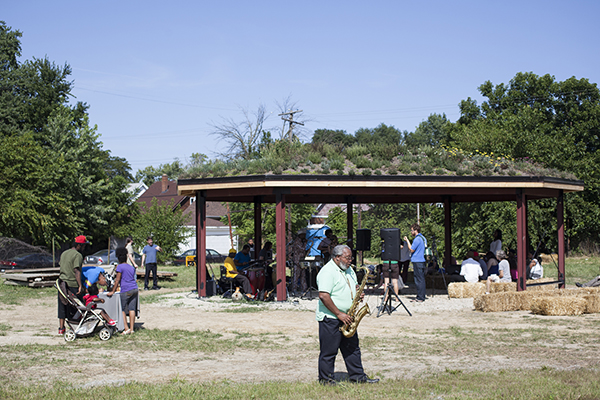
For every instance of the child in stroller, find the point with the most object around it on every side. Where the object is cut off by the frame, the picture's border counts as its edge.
(92, 298)
(86, 320)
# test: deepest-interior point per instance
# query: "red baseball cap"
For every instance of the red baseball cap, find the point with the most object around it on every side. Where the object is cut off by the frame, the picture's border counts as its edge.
(81, 239)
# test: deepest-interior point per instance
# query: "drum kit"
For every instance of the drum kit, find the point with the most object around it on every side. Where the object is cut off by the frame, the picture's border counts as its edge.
(256, 276)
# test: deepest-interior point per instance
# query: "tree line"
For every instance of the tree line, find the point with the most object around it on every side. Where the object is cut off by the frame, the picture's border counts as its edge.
(58, 181)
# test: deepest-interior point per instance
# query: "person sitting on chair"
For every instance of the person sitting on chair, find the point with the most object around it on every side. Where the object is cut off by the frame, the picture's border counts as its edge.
(233, 273)
(242, 259)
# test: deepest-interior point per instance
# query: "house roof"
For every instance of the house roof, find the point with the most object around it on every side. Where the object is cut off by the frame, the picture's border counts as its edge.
(164, 191)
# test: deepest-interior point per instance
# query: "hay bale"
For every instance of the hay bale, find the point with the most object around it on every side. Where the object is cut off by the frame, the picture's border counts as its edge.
(558, 305)
(498, 287)
(592, 305)
(501, 301)
(549, 258)
(462, 290)
(541, 287)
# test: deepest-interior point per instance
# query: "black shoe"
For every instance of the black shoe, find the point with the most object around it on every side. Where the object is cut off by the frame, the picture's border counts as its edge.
(365, 380)
(578, 284)
(156, 288)
(145, 288)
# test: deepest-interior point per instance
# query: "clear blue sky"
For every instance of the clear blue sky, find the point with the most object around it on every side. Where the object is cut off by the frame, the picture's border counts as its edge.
(156, 74)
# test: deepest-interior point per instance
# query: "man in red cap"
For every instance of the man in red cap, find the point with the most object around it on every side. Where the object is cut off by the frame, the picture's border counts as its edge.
(70, 272)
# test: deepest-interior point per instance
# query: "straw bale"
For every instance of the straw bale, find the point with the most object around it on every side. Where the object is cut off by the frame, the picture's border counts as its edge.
(562, 305)
(501, 301)
(549, 258)
(541, 287)
(497, 287)
(461, 290)
(592, 303)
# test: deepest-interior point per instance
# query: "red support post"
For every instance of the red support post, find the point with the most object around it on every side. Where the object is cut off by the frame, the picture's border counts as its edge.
(447, 231)
(201, 243)
(560, 217)
(280, 236)
(521, 240)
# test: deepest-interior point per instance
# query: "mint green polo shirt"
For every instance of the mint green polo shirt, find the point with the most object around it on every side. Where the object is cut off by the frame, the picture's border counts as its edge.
(341, 286)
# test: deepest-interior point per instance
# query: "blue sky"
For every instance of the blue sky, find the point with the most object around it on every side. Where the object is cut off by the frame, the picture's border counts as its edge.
(157, 74)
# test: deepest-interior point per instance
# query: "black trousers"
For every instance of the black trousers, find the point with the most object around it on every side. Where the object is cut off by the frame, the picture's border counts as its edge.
(330, 340)
(150, 267)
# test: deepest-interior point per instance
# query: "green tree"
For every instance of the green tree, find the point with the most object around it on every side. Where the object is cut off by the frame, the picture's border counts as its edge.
(538, 119)
(431, 132)
(167, 227)
(82, 189)
(242, 217)
(333, 137)
(150, 174)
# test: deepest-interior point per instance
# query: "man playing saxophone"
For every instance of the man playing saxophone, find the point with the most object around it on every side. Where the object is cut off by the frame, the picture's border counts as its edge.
(337, 285)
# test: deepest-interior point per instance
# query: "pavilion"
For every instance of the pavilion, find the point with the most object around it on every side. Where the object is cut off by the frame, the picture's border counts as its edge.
(359, 189)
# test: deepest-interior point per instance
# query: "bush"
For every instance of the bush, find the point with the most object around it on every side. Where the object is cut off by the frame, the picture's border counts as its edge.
(314, 158)
(356, 151)
(366, 172)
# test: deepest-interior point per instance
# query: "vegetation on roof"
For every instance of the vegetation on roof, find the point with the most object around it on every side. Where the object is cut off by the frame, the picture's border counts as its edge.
(296, 158)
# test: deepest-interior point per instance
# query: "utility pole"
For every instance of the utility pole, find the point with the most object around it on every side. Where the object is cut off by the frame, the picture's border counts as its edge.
(290, 121)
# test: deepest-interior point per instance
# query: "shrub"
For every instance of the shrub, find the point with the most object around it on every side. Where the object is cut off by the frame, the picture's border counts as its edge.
(428, 169)
(356, 151)
(305, 170)
(340, 172)
(352, 172)
(440, 171)
(366, 172)
(314, 158)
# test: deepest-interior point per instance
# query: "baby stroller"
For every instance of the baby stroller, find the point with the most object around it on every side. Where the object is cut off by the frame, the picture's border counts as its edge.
(86, 321)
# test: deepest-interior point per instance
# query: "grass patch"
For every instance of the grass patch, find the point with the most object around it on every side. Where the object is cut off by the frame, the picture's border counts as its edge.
(451, 384)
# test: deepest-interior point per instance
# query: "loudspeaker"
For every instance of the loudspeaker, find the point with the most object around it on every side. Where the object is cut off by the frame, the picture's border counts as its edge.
(390, 249)
(363, 240)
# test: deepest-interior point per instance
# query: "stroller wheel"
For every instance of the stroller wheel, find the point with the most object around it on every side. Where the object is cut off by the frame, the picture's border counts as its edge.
(105, 333)
(70, 335)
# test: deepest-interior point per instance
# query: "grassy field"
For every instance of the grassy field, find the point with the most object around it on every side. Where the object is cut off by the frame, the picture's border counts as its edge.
(544, 383)
(539, 341)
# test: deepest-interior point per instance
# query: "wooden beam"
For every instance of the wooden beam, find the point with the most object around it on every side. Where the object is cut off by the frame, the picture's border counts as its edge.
(447, 231)
(560, 217)
(201, 243)
(521, 240)
(281, 256)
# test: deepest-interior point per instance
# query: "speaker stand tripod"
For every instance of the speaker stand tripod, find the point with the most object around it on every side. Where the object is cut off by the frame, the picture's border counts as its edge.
(310, 288)
(386, 301)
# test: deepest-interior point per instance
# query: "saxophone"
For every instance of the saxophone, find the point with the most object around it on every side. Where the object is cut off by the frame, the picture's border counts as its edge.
(348, 330)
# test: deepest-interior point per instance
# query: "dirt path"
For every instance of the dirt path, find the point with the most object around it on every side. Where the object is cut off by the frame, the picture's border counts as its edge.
(442, 334)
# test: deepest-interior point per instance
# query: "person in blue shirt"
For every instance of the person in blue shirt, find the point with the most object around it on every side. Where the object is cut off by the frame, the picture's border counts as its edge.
(149, 260)
(417, 250)
(242, 258)
(93, 275)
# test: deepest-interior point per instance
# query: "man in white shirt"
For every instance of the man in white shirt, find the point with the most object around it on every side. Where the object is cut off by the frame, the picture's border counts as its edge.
(470, 268)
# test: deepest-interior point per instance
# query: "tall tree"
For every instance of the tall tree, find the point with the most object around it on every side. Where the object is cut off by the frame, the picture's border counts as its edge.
(539, 119)
(242, 137)
(431, 132)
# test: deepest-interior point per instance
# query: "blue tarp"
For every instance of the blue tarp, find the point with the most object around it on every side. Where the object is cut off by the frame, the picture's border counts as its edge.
(314, 238)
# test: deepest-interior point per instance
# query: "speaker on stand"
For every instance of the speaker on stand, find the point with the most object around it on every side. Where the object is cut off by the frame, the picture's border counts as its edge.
(390, 246)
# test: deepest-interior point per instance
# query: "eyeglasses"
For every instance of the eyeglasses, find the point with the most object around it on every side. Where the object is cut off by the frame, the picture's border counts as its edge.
(347, 257)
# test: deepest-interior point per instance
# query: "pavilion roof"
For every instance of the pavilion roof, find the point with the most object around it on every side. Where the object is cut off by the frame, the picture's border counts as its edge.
(376, 188)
